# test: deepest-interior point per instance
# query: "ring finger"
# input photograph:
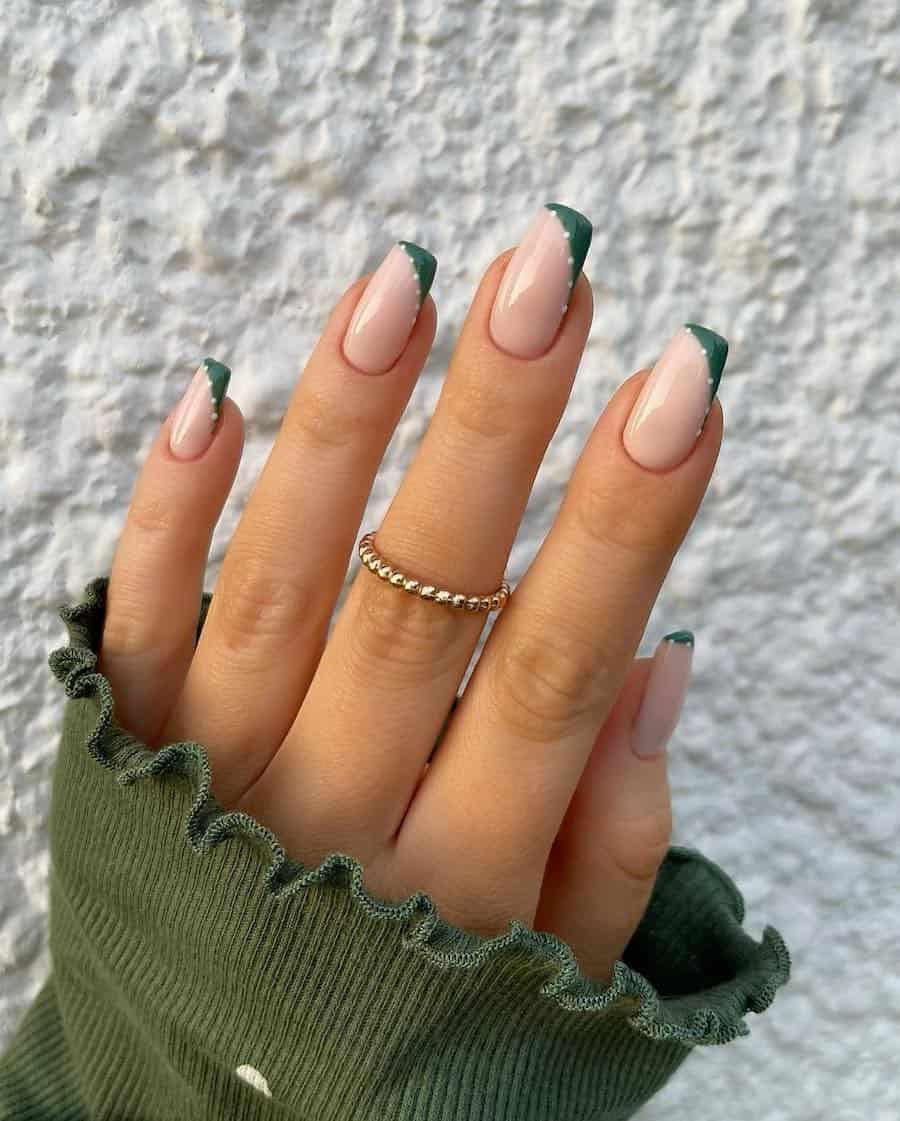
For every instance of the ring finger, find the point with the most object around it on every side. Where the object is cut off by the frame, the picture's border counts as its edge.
(559, 654)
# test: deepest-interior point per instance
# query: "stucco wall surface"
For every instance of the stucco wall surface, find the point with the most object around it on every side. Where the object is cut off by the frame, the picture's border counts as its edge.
(181, 179)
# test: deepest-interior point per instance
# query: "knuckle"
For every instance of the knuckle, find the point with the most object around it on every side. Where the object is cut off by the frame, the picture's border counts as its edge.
(639, 846)
(152, 516)
(481, 407)
(504, 893)
(129, 633)
(315, 421)
(605, 521)
(543, 688)
(398, 638)
(254, 602)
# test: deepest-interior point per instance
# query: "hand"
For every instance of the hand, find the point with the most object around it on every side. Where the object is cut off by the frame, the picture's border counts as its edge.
(537, 805)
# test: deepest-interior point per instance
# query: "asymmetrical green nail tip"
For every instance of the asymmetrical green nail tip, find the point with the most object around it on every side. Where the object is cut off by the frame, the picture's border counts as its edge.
(579, 232)
(716, 350)
(219, 376)
(685, 638)
(424, 264)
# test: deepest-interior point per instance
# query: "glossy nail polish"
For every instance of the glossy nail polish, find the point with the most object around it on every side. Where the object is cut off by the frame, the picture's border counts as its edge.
(533, 296)
(664, 694)
(194, 420)
(388, 308)
(674, 401)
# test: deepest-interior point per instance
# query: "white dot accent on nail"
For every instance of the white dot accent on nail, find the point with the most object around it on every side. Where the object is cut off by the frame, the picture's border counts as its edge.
(565, 307)
(209, 386)
(412, 263)
(571, 260)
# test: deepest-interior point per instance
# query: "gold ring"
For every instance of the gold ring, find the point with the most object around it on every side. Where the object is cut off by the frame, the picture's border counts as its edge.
(376, 563)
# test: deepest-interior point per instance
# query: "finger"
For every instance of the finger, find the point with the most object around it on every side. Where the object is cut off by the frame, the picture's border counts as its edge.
(618, 825)
(156, 577)
(393, 661)
(558, 655)
(287, 560)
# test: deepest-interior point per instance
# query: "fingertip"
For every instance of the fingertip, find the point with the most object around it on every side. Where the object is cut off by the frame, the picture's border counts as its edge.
(231, 428)
(715, 421)
(581, 304)
(426, 323)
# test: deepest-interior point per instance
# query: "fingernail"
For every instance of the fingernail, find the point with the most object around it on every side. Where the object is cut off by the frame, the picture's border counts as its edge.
(194, 420)
(664, 694)
(674, 401)
(388, 309)
(533, 296)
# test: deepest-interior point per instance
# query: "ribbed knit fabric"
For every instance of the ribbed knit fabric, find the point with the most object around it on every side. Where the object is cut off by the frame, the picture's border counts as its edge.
(199, 973)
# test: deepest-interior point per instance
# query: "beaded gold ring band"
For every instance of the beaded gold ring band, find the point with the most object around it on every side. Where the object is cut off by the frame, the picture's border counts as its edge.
(376, 563)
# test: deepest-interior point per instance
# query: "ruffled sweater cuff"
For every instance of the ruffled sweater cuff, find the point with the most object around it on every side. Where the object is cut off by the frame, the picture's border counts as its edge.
(199, 971)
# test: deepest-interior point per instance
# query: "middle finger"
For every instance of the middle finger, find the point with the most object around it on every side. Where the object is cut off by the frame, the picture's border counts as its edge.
(393, 663)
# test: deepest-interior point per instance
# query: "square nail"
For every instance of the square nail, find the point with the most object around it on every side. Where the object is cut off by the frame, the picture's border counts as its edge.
(534, 293)
(675, 400)
(388, 308)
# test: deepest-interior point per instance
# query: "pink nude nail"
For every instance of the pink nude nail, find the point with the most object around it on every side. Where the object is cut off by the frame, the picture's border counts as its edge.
(664, 695)
(533, 296)
(194, 420)
(674, 401)
(388, 309)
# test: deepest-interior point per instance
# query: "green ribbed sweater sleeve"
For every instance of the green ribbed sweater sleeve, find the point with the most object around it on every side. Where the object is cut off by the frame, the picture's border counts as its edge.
(198, 972)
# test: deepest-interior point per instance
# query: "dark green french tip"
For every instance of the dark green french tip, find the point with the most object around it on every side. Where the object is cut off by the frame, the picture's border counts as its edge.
(424, 264)
(716, 350)
(685, 638)
(219, 376)
(579, 232)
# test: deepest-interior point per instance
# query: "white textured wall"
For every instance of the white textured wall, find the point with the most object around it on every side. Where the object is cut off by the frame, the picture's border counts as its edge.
(187, 178)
